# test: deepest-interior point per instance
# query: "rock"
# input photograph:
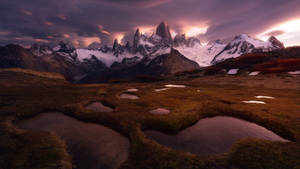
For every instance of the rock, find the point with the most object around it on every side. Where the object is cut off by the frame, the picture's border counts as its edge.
(40, 50)
(136, 40)
(163, 31)
(276, 43)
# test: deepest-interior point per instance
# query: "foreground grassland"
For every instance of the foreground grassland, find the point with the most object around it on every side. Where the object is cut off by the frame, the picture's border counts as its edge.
(203, 97)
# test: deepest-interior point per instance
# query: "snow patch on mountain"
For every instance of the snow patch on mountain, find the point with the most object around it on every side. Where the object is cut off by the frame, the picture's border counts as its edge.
(107, 58)
(143, 42)
(203, 55)
(255, 42)
(243, 44)
(159, 52)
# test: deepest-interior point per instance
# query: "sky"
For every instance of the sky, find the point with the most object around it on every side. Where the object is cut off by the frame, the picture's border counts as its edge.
(82, 22)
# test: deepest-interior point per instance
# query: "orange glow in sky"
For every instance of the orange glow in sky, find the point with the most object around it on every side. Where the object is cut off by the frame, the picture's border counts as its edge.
(119, 36)
(195, 30)
(147, 29)
(173, 33)
(88, 40)
(290, 35)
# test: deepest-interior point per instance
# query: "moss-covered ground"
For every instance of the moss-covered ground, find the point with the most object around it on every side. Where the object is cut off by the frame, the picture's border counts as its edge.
(202, 98)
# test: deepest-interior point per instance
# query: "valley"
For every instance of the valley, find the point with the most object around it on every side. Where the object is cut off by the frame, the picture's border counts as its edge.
(28, 95)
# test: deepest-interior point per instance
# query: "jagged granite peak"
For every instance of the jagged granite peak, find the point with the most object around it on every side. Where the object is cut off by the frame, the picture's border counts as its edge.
(192, 41)
(275, 42)
(66, 49)
(40, 50)
(179, 40)
(117, 48)
(115, 45)
(127, 46)
(136, 40)
(163, 31)
(137, 35)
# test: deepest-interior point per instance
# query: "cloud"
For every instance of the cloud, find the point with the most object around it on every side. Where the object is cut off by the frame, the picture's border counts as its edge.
(28, 13)
(139, 3)
(275, 33)
(102, 30)
(82, 19)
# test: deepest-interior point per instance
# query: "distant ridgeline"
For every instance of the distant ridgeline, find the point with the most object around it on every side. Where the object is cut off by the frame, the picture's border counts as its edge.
(150, 57)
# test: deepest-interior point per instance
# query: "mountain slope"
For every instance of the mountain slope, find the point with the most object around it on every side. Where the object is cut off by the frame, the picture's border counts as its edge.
(15, 56)
(283, 60)
(203, 55)
(243, 44)
(19, 77)
(170, 64)
(147, 50)
(158, 68)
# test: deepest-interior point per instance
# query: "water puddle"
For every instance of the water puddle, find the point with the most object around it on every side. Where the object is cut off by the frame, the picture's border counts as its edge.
(175, 86)
(162, 89)
(254, 102)
(254, 73)
(128, 96)
(91, 145)
(264, 97)
(99, 107)
(233, 71)
(132, 90)
(160, 111)
(295, 72)
(213, 135)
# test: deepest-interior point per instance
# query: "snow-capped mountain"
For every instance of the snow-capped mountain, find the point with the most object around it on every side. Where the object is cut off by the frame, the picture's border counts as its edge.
(202, 54)
(136, 55)
(66, 50)
(180, 40)
(108, 58)
(145, 47)
(148, 47)
(41, 50)
(243, 44)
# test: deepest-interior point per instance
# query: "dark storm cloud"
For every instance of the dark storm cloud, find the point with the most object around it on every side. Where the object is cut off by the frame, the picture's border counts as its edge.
(275, 33)
(76, 21)
(139, 3)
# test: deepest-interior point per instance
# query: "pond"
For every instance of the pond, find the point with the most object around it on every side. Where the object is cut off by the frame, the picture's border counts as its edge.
(128, 96)
(160, 111)
(213, 135)
(132, 90)
(90, 145)
(175, 86)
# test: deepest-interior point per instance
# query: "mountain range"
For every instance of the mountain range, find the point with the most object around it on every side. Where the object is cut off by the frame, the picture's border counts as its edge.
(156, 55)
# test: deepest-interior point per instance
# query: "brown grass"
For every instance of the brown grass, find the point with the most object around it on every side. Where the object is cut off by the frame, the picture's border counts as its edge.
(279, 65)
(49, 75)
(187, 106)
